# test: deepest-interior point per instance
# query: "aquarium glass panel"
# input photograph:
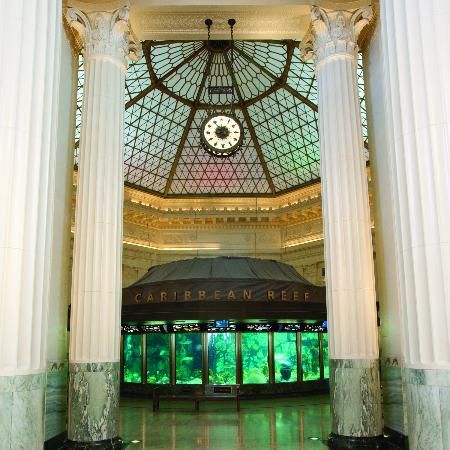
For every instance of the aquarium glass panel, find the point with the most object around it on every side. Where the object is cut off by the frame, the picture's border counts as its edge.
(132, 358)
(310, 356)
(255, 368)
(222, 358)
(188, 355)
(326, 367)
(285, 354)
(158, 358)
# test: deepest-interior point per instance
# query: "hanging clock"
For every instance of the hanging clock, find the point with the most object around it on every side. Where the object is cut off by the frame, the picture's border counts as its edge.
(222, 134)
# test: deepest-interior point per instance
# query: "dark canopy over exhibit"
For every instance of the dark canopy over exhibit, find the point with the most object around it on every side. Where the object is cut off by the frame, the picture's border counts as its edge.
(225, 287)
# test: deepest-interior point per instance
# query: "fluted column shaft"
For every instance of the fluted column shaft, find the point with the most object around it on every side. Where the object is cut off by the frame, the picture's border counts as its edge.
(417, 61)
(29, 78)
(380, 144)
(351, 307)
(97, 259)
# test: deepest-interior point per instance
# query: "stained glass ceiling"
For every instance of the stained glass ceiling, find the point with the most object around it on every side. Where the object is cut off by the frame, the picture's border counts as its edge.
(167, 98)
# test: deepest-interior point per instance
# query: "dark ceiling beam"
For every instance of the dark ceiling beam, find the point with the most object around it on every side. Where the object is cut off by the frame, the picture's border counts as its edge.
(250, 127)
(177, 97)
(180, 147)
(188, 125)
(290, 53)
(150, 43)
(146, 50)
(158, 83)
(270, 91)
(300, 97)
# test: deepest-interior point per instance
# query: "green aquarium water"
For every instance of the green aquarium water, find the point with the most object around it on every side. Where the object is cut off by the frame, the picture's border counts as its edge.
(285, 354)
(158, 358)
(326, 366)
(132, 358)
(310, 356)
(188, 355)
(222, 358)
(255, 368)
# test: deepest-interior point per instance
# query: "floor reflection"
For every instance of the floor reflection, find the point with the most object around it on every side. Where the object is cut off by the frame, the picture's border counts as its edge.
(283, 424)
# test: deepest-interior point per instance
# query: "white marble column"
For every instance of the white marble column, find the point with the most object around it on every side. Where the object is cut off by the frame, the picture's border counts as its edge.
(380, 125)
(29, 77)
(417, 60)
(97, 260)
(59, 295)
(353, 336)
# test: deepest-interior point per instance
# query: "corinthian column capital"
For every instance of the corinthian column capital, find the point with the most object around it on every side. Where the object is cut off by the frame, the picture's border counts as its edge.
(334, 33)
(106, 34)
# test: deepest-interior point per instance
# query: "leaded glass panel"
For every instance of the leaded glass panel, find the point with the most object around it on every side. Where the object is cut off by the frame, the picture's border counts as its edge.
(166, 56)
(289, 138)
(362, 101)
(301, 77)
(200, 173)
(275, 98)
(137, 79)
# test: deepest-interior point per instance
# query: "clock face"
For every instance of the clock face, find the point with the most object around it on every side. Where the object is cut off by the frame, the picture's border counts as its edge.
(222, 135)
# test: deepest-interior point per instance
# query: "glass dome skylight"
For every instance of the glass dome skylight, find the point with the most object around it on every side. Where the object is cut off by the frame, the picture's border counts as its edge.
(167, 99)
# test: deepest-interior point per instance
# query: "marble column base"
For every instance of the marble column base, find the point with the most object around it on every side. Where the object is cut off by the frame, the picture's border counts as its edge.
(108, 444)
(393, 393)
(428, 408)
(355, 398)
(22, 412)
(337, 442)
(93, 402)
(56, 399)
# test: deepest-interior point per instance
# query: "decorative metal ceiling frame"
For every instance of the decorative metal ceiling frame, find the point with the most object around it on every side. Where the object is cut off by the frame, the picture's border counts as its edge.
(188, 125)
(278, 83)
(157, 83)
(251, 129)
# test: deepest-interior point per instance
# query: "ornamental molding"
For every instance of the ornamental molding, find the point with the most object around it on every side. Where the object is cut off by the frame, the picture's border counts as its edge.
(223, 205)
(253, 22)
(140, 215)
(334, 33)
(106, 34)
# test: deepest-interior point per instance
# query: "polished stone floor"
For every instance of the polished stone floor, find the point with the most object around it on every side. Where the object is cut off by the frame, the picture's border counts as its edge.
(301, 423)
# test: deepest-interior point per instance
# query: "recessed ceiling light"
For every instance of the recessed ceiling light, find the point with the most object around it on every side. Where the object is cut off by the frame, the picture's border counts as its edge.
(135, 442)
(313, 438)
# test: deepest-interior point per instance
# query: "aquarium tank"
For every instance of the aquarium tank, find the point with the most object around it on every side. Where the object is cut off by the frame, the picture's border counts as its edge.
(285, 356)
(255, 367)
(132, 358)
(188, 357)
(222, 358)
(326, 365)
(310, 356)
(198, 354)
(158, 358)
